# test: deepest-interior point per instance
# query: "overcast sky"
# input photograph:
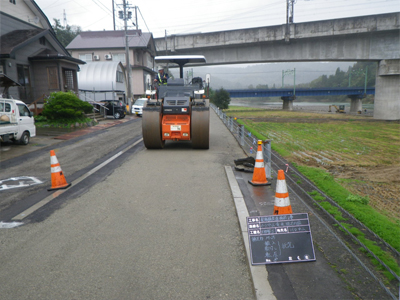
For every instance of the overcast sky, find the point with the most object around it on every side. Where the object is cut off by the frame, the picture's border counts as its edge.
(183, 16)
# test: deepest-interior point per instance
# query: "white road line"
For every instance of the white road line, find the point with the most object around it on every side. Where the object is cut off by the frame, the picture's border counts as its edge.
(259, 273)
(23, 181)
(9, 224)
(54, 195)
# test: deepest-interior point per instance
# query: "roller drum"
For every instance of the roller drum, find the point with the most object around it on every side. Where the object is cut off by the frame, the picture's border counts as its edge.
(200, 126)
(151, 127)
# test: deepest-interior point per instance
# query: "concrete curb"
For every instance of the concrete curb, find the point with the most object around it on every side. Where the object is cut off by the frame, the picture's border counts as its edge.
(258, 273)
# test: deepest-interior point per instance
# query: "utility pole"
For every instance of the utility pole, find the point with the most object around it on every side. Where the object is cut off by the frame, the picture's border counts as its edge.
(65, 18)
(113, 13)
(136, 22)
(128, 65)
(289, 17)
(290, 11)
(166, 45)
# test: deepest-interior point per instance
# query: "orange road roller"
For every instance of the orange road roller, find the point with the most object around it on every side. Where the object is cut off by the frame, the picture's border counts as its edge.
(175, 111)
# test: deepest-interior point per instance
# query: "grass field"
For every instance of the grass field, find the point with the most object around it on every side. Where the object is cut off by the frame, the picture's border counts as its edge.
(354, 159)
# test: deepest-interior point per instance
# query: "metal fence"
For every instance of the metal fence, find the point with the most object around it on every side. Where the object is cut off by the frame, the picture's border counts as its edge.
(246, 139)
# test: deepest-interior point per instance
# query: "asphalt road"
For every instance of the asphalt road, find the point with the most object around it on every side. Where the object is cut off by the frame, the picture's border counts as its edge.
(155, 224)
(152, 224)
(75, 156)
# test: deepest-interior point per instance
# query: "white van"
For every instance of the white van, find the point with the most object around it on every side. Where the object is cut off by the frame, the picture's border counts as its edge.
(137, 107)
(16, 121)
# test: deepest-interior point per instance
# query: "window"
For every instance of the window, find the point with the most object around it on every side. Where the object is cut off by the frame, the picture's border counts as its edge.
(5, 107)
(69, 80)
(8, 107)
(118, 57)
(42, 40)
(149, 61)
(52, 78)
(23, 75)
(23, 110)
(85, 57)
(12, 1)
(120, 76)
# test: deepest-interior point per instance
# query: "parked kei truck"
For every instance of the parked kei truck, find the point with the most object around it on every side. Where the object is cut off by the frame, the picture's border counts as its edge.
(16, 121)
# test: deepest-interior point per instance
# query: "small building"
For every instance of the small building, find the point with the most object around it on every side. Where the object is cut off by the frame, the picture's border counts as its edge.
(31, 55)
(100, 46)
(104, 80)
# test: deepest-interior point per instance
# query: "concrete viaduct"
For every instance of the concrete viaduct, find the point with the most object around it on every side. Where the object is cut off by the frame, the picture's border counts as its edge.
(366, 38)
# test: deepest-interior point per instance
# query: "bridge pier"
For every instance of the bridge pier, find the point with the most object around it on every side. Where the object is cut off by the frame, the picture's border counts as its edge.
(288, 102)
(356, 103)
(387, 90)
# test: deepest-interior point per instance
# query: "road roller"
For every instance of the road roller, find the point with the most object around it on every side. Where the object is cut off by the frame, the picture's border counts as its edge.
(176, 111)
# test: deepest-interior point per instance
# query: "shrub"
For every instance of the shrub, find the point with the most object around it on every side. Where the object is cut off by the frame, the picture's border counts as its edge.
(358, 199)
(40, 118)
(65, 106)
(220, 98)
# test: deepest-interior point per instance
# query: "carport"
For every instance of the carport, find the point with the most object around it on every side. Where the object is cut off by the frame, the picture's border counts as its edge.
(102, 80)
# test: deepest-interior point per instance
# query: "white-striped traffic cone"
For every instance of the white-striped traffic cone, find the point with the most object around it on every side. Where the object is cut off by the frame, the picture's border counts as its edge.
(58, 180)
(259, 175)
(282, 202)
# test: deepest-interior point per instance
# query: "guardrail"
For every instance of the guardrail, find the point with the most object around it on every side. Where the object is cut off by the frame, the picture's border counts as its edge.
(246, 140)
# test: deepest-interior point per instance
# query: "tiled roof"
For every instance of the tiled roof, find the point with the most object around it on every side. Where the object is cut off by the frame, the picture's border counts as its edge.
(48, 54)
(16, 38)
(110, 39)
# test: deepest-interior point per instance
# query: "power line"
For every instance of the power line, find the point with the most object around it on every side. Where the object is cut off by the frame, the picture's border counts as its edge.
(101, 7)
(144, 21)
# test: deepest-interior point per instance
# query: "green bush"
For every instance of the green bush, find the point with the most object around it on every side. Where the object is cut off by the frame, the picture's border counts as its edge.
(40, 118)
(220, 98)
(358, 199)
(65, 106)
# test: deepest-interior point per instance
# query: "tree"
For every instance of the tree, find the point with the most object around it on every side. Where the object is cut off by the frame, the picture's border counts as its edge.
(220, 98)
(64, 106)
(65, 34)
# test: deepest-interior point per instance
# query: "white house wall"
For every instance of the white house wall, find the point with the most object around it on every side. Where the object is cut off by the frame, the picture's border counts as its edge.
(138, 82)
(21, 11)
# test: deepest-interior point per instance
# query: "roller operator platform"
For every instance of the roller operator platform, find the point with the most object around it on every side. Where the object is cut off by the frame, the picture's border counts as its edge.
(175, 111)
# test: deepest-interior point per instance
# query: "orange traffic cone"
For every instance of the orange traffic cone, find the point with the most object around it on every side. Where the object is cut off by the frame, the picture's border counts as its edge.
(57, 177)
(282, 202)
(259, 176)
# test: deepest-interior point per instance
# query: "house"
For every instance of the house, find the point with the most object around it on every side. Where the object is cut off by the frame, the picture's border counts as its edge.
(100, 46)
(31, 55)
(104, 80)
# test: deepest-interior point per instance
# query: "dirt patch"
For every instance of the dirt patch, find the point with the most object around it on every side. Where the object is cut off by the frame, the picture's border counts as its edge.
(382, 174)
(380, 184)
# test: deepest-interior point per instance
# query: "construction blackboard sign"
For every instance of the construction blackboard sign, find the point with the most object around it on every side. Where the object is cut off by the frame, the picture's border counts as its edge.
(280, 239)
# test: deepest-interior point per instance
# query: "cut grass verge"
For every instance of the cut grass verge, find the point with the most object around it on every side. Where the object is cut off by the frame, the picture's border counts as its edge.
(371, 245)
(378, 223)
